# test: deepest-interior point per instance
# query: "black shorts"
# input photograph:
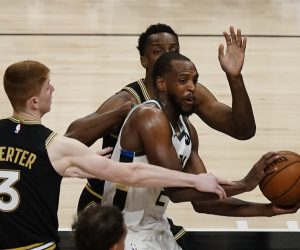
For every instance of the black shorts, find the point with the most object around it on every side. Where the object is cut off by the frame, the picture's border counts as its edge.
(86, 198)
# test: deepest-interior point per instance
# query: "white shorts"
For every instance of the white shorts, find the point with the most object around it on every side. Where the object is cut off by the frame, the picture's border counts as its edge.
(150, 240)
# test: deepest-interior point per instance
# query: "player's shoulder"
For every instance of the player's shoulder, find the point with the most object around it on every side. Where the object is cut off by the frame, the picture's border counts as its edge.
(125, 96)
(61, 141)
(148, 112)
(149, 108)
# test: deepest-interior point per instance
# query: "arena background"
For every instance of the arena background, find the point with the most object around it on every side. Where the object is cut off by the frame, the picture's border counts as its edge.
(90, 47)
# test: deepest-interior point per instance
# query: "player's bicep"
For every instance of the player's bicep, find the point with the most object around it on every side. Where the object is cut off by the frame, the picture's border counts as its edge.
(63, 152)
(157, 140)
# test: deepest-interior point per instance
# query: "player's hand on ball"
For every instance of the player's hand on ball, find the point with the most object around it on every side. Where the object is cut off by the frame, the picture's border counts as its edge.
(282, 187)
(277, 210)
(260, 170)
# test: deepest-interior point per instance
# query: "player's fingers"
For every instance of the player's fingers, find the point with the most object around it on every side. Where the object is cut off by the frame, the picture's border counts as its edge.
(105, 151)
(244, 44)
(221, 181)
(232, 34)
(239, 38)
(220, 192)
(221, 51)
(107, 156)
(271, 157)
(268, 159)
(227, 39)
(225, 182)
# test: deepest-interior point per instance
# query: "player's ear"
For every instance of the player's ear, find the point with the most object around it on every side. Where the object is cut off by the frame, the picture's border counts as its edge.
(161, 84)
(33, 102)
(144, 61)
(116, 246)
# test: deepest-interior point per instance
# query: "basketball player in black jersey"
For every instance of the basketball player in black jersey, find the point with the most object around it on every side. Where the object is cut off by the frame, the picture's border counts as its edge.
(33, 160)
(236, 121)
(160, 133)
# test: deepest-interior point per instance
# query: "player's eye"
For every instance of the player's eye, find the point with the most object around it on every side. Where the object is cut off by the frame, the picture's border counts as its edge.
(158, 51)
(175, 49)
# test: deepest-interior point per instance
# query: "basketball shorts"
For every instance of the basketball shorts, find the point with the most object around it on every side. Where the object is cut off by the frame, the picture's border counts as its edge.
(150, 240)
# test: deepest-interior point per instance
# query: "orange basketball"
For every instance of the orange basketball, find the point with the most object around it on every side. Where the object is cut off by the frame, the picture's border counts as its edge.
(283, 186)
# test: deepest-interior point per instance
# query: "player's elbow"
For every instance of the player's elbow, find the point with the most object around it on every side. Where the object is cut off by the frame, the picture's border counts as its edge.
(195, 206)
(72, 132)
(246, 136)
(246, 133)
(76, 132)
(175, 199)
(202, 207)
(173, 196)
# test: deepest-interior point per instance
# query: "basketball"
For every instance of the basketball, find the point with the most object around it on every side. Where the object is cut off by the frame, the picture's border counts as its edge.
(283, 186)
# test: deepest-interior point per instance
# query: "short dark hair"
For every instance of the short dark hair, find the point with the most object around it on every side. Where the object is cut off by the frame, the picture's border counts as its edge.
(153, 29)
(98, 227)
(163, 64)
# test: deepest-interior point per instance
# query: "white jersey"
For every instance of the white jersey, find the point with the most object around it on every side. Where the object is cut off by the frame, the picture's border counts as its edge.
(144, 208)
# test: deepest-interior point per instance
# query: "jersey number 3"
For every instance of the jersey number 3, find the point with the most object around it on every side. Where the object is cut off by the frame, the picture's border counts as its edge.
(9, 196)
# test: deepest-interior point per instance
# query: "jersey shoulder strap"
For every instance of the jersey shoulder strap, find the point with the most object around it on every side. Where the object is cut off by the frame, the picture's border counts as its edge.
(138, 90)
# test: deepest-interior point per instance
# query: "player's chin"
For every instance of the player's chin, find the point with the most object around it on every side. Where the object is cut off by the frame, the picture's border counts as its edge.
(187, 110)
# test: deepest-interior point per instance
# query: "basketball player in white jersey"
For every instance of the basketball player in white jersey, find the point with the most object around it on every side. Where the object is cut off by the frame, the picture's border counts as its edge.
(236, 121)
(159, 132)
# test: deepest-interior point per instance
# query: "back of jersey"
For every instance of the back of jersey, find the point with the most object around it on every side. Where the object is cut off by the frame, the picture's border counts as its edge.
(29, 185)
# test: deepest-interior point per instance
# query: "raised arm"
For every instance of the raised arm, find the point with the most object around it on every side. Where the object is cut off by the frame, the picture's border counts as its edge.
(109, 115)
(70, 158)
(237, 121)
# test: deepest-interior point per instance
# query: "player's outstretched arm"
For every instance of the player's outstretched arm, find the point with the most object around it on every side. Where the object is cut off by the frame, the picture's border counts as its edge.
(255, 175)
(70, 158)
(239, 208)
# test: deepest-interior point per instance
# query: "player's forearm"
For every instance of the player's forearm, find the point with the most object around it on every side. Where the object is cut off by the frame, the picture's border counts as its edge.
(134, 174)
(239, 188)
(242, 113)
(233, 207)
(178, 195)
(90, 128)
(190, 194)
(153, 176)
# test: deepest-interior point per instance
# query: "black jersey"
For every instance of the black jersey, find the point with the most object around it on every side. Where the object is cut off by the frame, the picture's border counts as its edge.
(139, 91)
(29, 185)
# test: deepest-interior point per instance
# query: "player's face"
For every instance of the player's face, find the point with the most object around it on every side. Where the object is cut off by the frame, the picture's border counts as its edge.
(181, 85)
(158, 44)
(45, 97)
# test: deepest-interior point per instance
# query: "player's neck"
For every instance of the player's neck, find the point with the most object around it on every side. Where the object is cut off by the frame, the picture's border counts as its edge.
(27, 116)
(170, 111)
(149, 86)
